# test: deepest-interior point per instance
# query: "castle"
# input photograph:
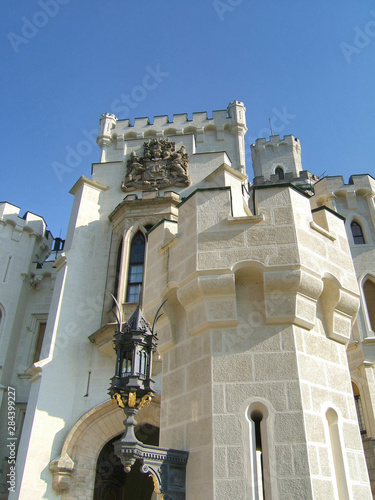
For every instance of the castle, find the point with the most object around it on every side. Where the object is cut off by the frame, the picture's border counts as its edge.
(264, 371)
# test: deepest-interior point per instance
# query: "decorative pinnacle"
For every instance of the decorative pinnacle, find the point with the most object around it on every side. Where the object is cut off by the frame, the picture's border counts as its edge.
(108, 115)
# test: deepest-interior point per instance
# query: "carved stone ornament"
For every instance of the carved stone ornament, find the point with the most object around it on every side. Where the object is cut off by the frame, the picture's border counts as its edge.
(62, 469)
(160, 167)
(34, 281)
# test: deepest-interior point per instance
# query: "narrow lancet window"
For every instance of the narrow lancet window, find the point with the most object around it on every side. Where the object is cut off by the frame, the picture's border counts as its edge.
(369, 292)
(337, 454)
(263, 483)
(257, 452)
(357, 233)
(136, 267)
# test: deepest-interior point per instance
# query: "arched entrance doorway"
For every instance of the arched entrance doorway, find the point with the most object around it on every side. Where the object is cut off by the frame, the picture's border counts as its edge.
(111, 481)
(74, 471)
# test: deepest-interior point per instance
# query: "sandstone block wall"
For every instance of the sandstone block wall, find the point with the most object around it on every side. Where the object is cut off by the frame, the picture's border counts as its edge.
(251, 327)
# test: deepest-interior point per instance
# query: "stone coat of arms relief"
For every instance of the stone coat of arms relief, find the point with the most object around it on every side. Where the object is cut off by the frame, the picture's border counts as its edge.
(160, 167)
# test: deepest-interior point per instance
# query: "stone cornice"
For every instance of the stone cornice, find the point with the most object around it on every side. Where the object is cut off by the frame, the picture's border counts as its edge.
(324, 207)
(148, 200)
(226, 168)
(89, 182)
(247, 219)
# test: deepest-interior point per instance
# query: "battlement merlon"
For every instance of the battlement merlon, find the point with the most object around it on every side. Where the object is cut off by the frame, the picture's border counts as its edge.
(31, 224)
(360, 184)
(277, 152)
(329, 188)
(113, 132)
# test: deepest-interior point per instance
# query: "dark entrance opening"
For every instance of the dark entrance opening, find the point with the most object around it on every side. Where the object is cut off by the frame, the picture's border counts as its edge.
(113, 483)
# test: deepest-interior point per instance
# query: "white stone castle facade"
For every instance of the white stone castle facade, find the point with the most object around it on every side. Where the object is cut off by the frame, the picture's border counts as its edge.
(265, 369)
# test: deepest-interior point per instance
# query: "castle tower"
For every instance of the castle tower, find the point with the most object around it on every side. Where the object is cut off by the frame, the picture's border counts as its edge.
(279, 160)
(261, 299)
(112, 214)
(255, 378)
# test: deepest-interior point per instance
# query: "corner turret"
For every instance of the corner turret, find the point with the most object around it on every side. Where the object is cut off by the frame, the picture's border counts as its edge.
(107, 123)
(279, 160)
(237, 113)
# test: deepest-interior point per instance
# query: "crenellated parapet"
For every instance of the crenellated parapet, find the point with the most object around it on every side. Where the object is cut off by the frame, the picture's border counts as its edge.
(14, 226)
(225, 126)
(329, 188)
(355, 201)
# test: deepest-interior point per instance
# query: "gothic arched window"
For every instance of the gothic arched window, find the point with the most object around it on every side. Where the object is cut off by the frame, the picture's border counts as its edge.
(369, 292)
(280, 173)
(136, 267)
(357, 233)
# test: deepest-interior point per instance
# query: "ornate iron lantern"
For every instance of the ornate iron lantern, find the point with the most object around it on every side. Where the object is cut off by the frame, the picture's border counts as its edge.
(135, 344)
(132, 387)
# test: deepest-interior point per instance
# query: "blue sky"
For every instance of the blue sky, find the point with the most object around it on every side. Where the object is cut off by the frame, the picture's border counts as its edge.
(65, 62)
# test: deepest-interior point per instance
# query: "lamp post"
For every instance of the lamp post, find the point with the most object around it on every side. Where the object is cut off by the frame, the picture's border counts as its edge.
(132, 387)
